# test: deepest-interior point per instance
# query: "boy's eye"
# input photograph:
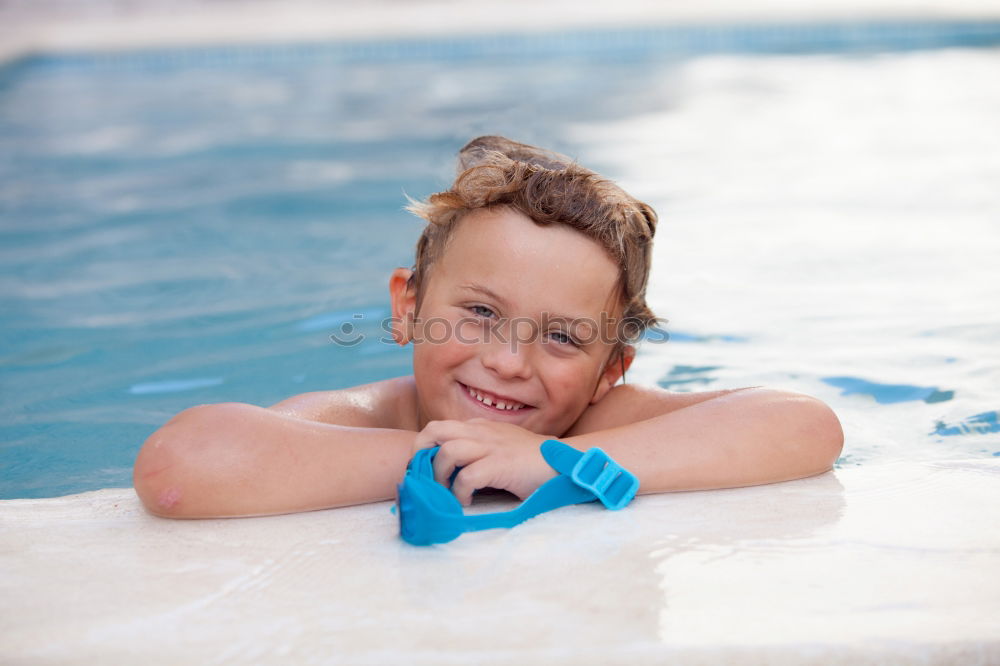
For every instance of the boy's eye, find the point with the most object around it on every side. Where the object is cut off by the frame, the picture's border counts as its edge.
(482, 311)
(562, 338)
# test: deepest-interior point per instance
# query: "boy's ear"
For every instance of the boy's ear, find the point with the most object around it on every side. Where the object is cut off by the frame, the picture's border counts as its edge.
(404, 305)
(613, 371)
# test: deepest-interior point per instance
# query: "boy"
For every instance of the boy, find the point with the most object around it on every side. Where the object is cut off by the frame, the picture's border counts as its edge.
(526, 296)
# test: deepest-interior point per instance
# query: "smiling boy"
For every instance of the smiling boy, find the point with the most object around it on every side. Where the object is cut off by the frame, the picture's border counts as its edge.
(523, 306)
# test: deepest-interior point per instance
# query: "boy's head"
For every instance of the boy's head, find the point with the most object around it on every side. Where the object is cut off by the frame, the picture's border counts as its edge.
(528, 287)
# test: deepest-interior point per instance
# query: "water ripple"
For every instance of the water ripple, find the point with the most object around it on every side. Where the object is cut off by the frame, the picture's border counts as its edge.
(174, 385)
(681, 375)
(887, 394)
(984, 423)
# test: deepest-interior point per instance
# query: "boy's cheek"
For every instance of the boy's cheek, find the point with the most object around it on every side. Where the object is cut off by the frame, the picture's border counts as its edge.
(435, 358)
(468, 332)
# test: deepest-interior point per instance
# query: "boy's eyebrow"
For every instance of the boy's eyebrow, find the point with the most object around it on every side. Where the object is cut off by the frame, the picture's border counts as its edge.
(489, 293)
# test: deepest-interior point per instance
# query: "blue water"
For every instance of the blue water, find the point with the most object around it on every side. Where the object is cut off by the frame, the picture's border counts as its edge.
(183, 227)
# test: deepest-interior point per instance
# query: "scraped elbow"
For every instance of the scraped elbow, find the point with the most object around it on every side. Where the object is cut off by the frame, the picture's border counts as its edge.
(166, 467)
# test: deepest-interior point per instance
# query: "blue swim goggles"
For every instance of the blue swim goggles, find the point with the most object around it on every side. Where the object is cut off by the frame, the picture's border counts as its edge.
(429, 513)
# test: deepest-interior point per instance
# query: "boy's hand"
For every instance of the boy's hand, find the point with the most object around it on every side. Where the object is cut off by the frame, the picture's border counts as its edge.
(491, 455)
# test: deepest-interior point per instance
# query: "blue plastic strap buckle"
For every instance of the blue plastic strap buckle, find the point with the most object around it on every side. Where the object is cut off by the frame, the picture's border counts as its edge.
(430, 513)
(614, 485)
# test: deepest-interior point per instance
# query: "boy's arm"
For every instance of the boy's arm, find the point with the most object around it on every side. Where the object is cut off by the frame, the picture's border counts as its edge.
(724, 439)
(235, 459)
(629, 403)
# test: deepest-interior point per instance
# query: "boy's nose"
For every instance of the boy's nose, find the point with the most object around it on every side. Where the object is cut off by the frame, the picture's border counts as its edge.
(510, 355)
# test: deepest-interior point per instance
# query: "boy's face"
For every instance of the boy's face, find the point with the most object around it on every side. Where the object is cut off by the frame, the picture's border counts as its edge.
(513, 324)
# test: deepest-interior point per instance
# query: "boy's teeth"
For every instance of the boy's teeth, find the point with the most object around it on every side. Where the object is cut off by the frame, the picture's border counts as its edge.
(488, 401)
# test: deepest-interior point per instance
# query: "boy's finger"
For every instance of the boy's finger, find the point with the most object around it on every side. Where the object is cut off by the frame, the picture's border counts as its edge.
(436, 433)
(470, 479)
(453, 454)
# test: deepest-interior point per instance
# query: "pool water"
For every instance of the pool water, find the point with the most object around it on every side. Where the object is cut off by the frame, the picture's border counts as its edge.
(176, 230)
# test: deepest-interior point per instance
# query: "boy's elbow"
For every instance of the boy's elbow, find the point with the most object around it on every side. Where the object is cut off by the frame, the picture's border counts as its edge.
(823, 432)
(166, 469)
(155, 481)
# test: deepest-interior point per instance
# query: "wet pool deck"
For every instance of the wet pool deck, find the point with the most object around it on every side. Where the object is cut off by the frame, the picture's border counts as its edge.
(893, 563)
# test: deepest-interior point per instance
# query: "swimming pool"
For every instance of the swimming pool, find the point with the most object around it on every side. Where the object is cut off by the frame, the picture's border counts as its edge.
(182, 227)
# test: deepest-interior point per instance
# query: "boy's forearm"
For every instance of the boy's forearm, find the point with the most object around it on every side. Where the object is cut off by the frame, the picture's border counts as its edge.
(239, 460)
(744, 438)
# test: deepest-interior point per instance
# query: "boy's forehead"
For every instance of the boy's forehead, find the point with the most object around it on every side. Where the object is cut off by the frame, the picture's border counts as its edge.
(554, 267)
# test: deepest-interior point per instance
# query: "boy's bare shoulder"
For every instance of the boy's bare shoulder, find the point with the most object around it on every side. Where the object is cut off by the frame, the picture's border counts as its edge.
(627, 403)
(390, 403)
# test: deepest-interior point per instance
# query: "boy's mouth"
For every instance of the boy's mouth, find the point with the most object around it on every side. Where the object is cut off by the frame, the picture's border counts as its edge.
(493, 401)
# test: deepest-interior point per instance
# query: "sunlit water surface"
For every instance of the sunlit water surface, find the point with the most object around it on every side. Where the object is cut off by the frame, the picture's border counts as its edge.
(185, 234)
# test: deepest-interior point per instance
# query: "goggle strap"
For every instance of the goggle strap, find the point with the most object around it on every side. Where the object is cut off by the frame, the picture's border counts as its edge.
(560, 456)
(553, 494)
